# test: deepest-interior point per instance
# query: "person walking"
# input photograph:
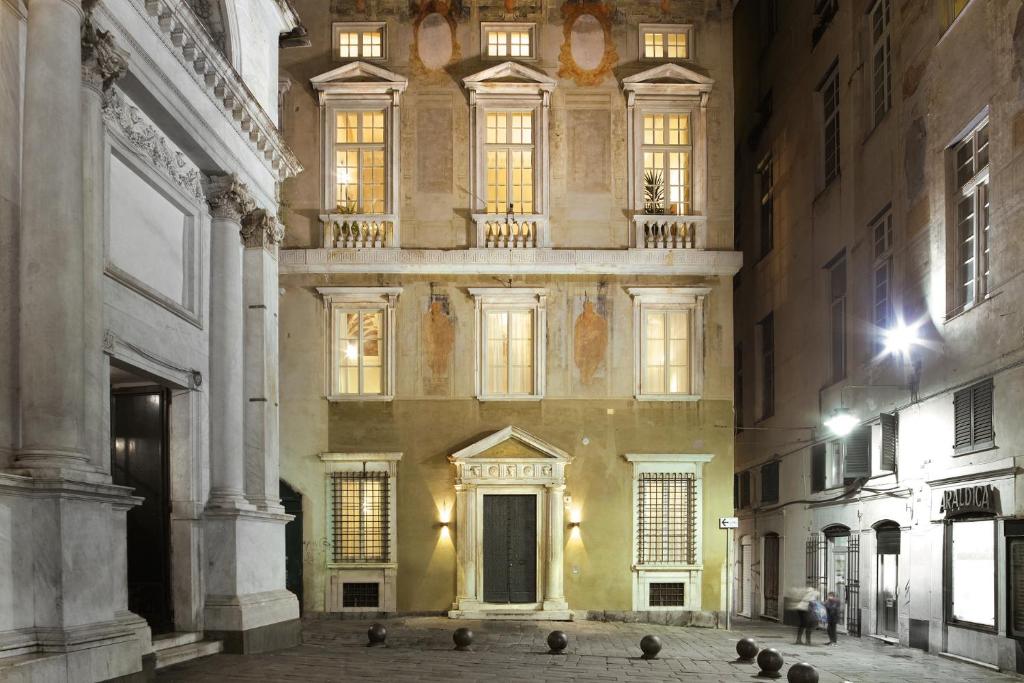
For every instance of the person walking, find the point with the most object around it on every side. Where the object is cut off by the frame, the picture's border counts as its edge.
(806, 621)
(832, 612)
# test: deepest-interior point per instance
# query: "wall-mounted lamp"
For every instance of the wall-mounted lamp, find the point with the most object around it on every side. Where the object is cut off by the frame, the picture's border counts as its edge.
(841, 422)
(574, 525)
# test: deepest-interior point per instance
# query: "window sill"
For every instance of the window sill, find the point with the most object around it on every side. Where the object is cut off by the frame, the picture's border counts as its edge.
(876, 126)
(829, 184)
(668, 567)
(490, 399)
(360, 397)
(682, 398)
(971, 626)
(975, 448)
(362, 565)
(964, 310)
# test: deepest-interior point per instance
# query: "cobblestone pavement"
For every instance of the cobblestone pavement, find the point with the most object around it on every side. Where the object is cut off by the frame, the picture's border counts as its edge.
(420, 649)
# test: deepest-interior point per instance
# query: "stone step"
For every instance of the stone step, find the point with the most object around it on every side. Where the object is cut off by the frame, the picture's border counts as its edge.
(187, 652)
(165, 641)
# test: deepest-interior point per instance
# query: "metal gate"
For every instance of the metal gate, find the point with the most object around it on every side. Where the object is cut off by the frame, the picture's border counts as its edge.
(770, 569)
(853, 586)
(817, 547)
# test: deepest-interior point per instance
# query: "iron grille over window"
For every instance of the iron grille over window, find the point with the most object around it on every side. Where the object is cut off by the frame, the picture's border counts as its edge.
(666, 517)
(360, 594)
(667, 595)
(361, 531)
(972, 417)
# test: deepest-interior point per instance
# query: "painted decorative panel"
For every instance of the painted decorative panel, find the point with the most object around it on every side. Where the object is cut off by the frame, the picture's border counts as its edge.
(588, 51)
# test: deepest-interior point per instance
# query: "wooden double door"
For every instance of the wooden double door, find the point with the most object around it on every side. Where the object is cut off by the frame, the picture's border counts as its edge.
(510, 548)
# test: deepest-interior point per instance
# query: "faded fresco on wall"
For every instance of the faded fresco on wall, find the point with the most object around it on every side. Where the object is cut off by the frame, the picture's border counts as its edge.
(434, 41)
(438, 330)
(590, 338)
(588, 51)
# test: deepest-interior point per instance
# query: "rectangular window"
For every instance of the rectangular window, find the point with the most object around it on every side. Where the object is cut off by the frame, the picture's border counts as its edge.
(665, 41)
(360, 174)
(737, 384)
(667, 595)
(971, 554)
(766, 335)
(667, 352)
(667, 169)
(666, 518)
(824, 12)
(360, 506)
(766, 184)
(509, 152)
(1014, 531)
(834, 464)
(358, 336)
(830, 123)
(360, 41)
(971, 218)
(881, 67)
(509, 352)
(837, 318)
(818, 455)
(744, 501)
(770, 482)
(881, 309)
(360, 594)
(972, 418)
(504, 40)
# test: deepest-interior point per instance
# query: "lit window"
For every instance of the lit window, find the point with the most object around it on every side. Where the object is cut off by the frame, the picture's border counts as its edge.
(360, 501)
(668, 323)
(881, 68)
(971, 215)
(667, 169)
(665, 530)
(359, 41)
(830, 117)
(511, 344)
(659, 41)
(360, 174)
(361, 322)
(972, 569)
(509, 161)
(505, 40)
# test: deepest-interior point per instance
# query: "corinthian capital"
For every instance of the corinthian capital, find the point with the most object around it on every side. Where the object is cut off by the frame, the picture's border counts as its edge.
(103, 62)
(261, 229)
(228, 197)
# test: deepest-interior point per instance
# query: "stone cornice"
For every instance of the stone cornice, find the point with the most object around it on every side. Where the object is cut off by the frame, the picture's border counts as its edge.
(511, 261)
(185, 37)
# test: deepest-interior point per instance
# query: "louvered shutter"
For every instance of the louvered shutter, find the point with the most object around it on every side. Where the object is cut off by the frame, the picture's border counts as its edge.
(770, 483)
(745, 490)
(857, 459)
(962, 419)
(890, 434)
(818, 467)
(981, 400)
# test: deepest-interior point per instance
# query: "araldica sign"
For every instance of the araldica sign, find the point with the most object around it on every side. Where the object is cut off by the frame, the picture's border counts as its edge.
(970, 500)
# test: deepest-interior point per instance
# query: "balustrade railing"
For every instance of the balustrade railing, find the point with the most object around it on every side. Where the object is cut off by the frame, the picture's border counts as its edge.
(655, 231)
(521, 232)
(360, 231)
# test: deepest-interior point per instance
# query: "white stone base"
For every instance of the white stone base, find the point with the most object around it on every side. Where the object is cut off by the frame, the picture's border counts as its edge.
(512, 614)
(244, 612)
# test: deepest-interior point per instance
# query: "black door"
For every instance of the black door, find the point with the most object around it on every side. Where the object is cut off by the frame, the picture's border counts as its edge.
(139, 457)
(292, 502)
(510, 549)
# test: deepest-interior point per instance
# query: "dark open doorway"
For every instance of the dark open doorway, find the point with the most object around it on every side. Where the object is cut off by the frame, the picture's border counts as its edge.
(140, 459)
(292, 502)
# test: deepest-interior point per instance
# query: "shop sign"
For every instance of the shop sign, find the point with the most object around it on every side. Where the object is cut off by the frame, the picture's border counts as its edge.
(968, 500)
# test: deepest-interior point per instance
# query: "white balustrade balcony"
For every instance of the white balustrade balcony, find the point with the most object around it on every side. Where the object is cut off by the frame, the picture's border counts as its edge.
(360, 231)
(665, 231)
(496, 231)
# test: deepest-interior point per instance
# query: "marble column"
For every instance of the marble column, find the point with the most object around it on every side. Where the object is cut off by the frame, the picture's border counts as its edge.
(229, 200)
(102, 64)
(465, 548)
(554, 596)
(51, 357)
(261, 233)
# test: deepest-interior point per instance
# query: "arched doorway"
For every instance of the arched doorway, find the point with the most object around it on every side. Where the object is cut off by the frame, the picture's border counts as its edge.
(887, 553)
(292, 502)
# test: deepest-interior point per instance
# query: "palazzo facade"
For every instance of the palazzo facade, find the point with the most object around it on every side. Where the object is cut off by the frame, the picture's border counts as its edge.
(140, 519)
(506, 309)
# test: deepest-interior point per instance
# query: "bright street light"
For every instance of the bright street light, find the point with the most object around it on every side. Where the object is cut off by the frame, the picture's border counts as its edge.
(841, 422)
(900, 338)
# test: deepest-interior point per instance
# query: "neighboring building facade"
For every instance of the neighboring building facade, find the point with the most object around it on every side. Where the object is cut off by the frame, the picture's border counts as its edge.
(878, 208)
(138, 371)
(509, 411)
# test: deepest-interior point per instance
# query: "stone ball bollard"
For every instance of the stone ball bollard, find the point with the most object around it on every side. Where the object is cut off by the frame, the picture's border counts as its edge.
(770, 661)
(651, 645)
(376, 634)
(802, 673)
(747, 649)
(557, 642)
(463, 638)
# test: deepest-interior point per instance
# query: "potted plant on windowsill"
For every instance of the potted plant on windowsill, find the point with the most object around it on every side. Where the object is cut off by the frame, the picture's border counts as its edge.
(654, 193)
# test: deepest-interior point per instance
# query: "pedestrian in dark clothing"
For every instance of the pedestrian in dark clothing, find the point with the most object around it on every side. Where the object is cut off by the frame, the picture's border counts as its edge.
(832, 611)
(802, 606)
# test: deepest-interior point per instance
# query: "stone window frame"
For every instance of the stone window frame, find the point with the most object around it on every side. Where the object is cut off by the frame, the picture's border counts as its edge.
(488, 27)
(337, 299)
(382, 573)
(360, 27)
(665, 29)
(689, 574)
(880, 17)
(509, 86)
(978, 186)
(691, 299)
(515, 298)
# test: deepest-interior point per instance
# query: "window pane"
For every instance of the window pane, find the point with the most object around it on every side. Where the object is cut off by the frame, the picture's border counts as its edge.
(372, 44)
(653, 46)
(965, 239)
(973, 565)
(521, 352)
(348, 45)
(496, 353)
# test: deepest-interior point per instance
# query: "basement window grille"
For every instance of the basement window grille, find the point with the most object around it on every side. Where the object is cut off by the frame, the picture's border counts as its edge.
(361, 529)
(666, 514)
(667, 595)
(360, 594)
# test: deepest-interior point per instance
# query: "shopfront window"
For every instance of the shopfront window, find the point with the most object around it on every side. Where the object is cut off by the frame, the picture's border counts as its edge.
(971, 579)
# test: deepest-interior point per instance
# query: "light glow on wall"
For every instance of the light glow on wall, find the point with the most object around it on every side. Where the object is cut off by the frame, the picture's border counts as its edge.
(575, 516)
(841, 422)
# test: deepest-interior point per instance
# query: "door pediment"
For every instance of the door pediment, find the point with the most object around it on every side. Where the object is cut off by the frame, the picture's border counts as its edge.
(510, 456)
